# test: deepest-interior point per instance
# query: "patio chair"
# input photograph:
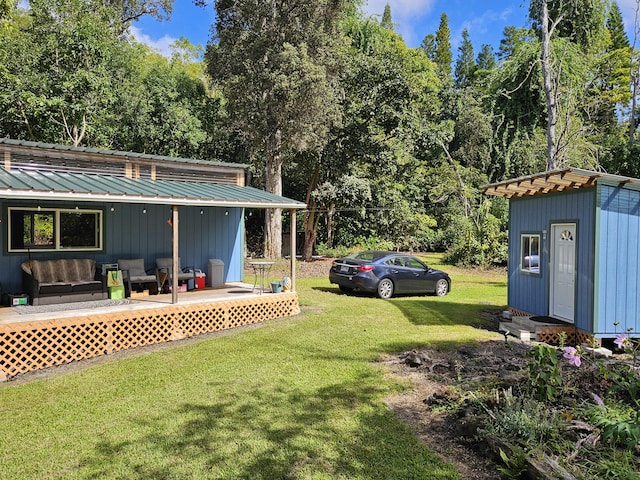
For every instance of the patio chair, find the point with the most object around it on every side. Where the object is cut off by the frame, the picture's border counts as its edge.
(165, 265)
(133, 273)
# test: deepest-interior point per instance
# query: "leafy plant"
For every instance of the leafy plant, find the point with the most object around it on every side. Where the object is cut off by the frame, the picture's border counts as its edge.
(514, 465)
(620, 424)
(526, 421)
(544, 374)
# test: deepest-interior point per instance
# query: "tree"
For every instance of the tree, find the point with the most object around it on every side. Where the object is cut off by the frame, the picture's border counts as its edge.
(386, 18)
(428, 46)
(465, 64)
(486, 59)
(443, 56)
(274, 63)
(580, 23)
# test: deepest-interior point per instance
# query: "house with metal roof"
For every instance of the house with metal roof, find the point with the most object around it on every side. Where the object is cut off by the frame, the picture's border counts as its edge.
(109, 205)
(574, 250)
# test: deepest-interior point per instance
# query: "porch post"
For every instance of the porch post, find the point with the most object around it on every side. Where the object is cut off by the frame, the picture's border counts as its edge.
(293, 249)
(175, 255)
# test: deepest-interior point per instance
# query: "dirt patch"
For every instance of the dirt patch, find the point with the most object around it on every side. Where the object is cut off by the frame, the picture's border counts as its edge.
(432, 374)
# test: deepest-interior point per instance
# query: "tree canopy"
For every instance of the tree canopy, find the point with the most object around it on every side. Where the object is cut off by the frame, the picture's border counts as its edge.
(388, 145)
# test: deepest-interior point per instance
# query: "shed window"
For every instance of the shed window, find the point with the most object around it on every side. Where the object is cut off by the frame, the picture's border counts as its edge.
(530, 253)
(54, 229)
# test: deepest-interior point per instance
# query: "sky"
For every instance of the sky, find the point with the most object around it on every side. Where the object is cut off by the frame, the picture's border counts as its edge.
(414, 19)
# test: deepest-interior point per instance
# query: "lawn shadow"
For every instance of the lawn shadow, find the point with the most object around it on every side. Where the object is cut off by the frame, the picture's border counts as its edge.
(277, 433)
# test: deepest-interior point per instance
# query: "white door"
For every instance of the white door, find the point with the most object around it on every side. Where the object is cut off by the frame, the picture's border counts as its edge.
(563, 271)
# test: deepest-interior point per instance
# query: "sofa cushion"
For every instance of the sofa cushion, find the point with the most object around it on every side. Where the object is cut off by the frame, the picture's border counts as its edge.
(64, 270)
(44, 271)
(55, 288)
(94, 286)
(76, 270)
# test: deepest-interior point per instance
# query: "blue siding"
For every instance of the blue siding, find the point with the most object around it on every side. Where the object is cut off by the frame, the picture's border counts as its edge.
(129, 233)
(530, 293)
(618, 261)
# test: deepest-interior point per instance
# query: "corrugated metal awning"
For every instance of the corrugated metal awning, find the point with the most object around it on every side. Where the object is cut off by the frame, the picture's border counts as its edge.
(34, 185)
(553, 181)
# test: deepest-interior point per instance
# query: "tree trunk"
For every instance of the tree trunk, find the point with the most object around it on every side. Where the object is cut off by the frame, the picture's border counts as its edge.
(273, 181)
(550, 86)
(331, 214)
(311, 216)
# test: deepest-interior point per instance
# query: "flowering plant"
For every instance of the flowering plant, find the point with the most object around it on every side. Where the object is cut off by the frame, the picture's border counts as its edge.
(573, 355)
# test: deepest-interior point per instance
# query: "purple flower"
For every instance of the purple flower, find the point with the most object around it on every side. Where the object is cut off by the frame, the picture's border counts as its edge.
(571, 354)
(598, 400)
(623, 341)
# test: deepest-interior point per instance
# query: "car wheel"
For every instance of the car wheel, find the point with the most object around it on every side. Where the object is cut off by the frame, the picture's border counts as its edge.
(345, 289)
(442, 287)
(385, 288)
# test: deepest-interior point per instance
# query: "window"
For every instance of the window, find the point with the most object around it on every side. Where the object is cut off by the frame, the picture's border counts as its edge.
(530, 253)
(54, 229)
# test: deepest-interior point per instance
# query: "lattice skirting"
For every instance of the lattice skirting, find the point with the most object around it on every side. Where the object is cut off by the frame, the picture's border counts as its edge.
(551, 335)
(29, 346)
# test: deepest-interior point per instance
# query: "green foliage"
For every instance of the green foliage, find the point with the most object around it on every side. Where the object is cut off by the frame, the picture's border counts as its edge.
(620, 424)
(544, 375)
(476, 241)
(526, 422)
(514, 464)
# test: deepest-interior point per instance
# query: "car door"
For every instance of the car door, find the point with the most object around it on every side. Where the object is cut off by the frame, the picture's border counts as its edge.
(401, 275)
(421, 278)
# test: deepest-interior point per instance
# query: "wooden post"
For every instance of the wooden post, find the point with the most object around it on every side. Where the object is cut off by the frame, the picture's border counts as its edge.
(293, 249)
(175, 255)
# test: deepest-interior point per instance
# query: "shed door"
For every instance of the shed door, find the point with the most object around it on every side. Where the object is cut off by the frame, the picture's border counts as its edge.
(563, 271)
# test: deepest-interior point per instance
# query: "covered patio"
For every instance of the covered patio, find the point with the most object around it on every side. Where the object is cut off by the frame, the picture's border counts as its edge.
(138, 206)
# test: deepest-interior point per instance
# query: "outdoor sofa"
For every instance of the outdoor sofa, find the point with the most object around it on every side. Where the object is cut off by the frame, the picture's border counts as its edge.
(62, 281)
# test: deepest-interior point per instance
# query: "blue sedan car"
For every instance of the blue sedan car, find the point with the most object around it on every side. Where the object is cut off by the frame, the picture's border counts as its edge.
(386, 274)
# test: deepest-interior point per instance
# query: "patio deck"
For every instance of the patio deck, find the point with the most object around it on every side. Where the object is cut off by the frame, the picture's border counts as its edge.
(36, 341)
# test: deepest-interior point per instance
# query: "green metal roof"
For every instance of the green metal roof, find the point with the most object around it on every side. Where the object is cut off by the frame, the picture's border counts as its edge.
(117, 153)
(35, 185)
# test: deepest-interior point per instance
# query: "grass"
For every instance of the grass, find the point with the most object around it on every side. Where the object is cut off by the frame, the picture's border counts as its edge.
(298, 398)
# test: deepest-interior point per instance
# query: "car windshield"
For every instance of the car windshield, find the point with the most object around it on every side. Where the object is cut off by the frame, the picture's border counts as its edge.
(367, 256)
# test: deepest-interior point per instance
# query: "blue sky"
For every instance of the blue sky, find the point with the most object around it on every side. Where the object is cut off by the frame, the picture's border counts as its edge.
(485, 20)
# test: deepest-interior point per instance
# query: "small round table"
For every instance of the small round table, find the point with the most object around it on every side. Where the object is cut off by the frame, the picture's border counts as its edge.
(260, 269)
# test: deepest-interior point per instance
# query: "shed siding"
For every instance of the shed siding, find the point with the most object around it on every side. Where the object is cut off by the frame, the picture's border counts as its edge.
(618, 261)
(130, 233)
(530, 293)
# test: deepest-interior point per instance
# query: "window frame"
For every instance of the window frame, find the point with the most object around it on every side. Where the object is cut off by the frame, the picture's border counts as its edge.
(57, 212)
(527, 251)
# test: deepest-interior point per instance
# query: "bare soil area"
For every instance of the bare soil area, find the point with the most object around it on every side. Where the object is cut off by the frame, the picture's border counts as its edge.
(432, 374)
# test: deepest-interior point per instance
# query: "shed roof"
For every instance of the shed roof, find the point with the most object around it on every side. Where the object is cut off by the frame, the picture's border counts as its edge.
(553, 181)
(54, 149)
(35, 185)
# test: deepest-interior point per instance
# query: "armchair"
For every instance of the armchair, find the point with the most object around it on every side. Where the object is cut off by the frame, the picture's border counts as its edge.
(133, 273)
(166, 265)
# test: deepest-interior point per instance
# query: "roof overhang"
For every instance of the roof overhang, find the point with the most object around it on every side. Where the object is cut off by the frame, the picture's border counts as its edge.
(78, 187)
(553, 181)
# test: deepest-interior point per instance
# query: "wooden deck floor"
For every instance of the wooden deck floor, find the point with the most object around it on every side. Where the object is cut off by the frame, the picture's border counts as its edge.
(141, 301)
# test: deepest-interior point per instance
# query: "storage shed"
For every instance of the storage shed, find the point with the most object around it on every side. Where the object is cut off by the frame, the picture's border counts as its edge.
(574, 249)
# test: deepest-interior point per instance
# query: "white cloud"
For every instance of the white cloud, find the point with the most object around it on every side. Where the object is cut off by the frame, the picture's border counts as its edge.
(402, 9)
(404, 13)
(483, 24)
(162, 45)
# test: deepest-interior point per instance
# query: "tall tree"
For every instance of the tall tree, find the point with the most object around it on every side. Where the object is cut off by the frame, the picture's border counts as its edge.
(465, 64)
(580, 23)
(428, 46)
(386, 21)
(443, 55)
(486, 58)
(273, 60)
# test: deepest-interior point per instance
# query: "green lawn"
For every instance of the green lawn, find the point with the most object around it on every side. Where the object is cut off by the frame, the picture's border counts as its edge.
(296, 398)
